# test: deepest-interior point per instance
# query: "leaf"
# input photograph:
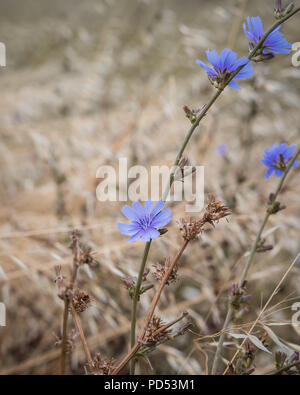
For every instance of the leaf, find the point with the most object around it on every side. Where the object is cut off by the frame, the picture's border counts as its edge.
(276, 340)
(258, 343)
(253, 340)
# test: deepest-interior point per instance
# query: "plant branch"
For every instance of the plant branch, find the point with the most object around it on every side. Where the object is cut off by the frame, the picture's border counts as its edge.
(82, 337)
(149, 315)
(64, 337)
(248, 265)
(283, 369)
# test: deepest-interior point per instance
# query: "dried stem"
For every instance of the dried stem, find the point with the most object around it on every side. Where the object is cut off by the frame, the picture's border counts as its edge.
(82, 337)
(64, 338)
(248, 265)
(149, 315)
(283, 369)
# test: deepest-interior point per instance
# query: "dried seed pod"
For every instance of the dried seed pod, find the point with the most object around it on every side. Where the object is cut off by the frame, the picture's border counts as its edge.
(103, 366)
(80, 300)
(160, 271)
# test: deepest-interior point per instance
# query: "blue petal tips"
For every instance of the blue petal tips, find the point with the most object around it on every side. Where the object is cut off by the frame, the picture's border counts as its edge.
(277, 157)
(223, 66)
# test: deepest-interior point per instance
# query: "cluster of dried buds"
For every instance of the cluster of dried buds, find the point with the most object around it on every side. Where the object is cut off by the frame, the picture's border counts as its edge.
(82, 255)
(160, 271)
(103, 366)
(80, 300)
(159, 332)
(283, 361)
(238, 299)
(156, 332)
(191, 228)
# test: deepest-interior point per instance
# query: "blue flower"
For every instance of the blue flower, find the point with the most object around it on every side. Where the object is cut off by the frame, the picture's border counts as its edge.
(277, 157)
(223, 66)
(222, 149)
(274, 43)
(146, 221)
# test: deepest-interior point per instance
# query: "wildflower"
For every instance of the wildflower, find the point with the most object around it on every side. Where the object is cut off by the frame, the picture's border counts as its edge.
(223, 67)
(145, 222)
(273, 44)
(222, 149)
(277, 157)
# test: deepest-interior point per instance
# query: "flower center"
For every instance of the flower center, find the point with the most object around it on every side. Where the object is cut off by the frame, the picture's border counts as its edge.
(145, 222)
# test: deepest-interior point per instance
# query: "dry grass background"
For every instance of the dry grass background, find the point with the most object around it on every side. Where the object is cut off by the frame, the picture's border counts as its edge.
(89, 82)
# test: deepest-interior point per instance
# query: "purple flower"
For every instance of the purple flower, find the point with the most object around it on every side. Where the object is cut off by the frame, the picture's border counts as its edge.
(222, 149)
(223, 66)
(274, 43)
(277, 157)
(146, 221)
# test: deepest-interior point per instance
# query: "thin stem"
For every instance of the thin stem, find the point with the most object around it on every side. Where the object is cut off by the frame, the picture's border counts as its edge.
(135, 300)
(283, 369)
(82, 337)
(249, 263)
(64, 338)
(159, 290)
(264, 309)
(148, 317)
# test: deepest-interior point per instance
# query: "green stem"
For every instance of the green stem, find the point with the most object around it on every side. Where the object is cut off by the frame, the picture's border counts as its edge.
(248, 265)
(135, 300)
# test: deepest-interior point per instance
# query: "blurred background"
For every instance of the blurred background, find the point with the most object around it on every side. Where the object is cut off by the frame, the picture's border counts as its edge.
(89, 82)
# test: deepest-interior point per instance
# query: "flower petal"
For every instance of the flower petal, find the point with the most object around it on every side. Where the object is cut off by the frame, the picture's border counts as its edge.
(135, 237)
(157, 208)
(162, 219)
(148, 207)
(269, 172)
(153, 233)
(234, 85)
(128, 229)
(209, 70)
(213, 58)
(138, 209)
(129, 213)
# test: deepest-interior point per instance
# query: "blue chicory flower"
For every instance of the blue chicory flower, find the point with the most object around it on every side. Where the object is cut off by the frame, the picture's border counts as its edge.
(274, 43)
(223, 66)
(277, 157)
(146, 221)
